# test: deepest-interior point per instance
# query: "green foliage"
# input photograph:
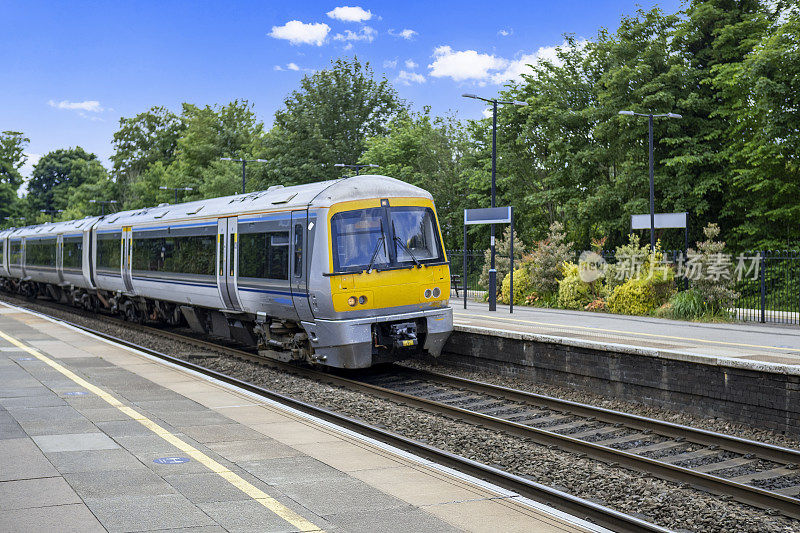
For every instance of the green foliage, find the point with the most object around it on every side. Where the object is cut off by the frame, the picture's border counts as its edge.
(12, 157)
(573, 292)
(634, 297)
(546, 261)
(502, 256)
(649, 281)
(522, 287)
(687, 305)
(328, 120)
(56, 174)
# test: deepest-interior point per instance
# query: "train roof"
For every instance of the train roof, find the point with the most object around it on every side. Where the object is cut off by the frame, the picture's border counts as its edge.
(320, 194)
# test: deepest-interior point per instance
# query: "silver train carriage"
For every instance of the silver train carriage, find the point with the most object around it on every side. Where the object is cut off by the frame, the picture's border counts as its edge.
(345, 273)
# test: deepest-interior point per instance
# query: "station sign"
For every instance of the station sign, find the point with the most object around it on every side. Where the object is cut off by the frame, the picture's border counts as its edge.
(662, 220)
(488, 215)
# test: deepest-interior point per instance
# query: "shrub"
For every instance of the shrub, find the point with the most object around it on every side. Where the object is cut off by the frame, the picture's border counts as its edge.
(715, 284)
(687, 305)
(598, 304)
(522, 287)
(502, 263)
(547, 258)
(573, 292)
(634, 297)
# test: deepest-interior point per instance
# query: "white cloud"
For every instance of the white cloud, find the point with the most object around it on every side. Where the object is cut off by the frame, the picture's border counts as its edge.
(506, 32)
(27, 169)
(92, 106)
(464, 65)
(405, 34)
(390, 64)
(486, 68)
(410, 64)
(407, 78)
(292, 66)
(350, 14)
(364, 34)
(297, 32)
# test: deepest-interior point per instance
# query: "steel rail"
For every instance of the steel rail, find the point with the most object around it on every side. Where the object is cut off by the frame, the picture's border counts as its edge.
(573, 505)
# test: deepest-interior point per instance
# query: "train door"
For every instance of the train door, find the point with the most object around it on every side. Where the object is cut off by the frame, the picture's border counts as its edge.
(22, 257)
(60, 257)
(299, 261)
(127, 258)
(228, 261)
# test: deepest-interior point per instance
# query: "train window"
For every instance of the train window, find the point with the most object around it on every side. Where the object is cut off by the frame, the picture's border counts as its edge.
(72, 251)
(40, 252)
(264, 255)
(298, 250)
(415, 234)
(2, 249)
(15, 253)
(109, 251)
(192, 254)
(359, 237)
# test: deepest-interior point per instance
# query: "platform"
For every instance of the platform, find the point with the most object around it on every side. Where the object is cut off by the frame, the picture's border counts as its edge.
(747, 344)
(95, 436)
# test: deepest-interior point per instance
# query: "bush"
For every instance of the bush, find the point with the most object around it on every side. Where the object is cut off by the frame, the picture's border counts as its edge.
(547, 258)
(717, 294)
(573, 292)
(687, 305)
(502, 263)
(634, 297)
(522, 287)
(598, 304)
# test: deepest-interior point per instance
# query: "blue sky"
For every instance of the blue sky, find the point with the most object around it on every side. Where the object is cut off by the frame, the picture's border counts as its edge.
(72, 69)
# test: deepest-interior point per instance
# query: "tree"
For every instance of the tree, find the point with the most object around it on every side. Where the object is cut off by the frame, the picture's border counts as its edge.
(143, 140)
(327, 121)
(56, 174)
(12, 157)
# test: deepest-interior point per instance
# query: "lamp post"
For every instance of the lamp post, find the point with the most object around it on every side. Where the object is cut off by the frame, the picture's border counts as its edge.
(21, 219)
(492, 270)
(176, 189)
(103, 203)
(52, 213)
(650, 118)
(244, 164)
(357, 167)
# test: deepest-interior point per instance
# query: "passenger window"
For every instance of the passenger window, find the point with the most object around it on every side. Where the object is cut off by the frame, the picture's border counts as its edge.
(264, 255)
(298, 250)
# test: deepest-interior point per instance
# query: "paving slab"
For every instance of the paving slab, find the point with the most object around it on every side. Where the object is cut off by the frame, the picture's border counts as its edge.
(76, 518)
(22, 459)
(75, 442)
(38, 492)
(167, 511)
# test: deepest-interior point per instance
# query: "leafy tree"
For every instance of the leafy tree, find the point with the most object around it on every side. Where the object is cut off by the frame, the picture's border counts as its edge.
(12, 157)
(56, 173)
(143, 140)
(545, 263)
(328, 120)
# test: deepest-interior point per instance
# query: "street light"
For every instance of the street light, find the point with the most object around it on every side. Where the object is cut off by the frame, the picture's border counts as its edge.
(21, 219)
(652, 182)
(494, 102)
(103, 203)
(244, 163)
(357, 167)
(176, 189)
(51, 212)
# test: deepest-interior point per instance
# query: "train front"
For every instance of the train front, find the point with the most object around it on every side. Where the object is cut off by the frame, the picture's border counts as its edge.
(388, 280)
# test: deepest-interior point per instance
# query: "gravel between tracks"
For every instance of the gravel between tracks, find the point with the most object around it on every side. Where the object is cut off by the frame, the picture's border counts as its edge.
(665, 503)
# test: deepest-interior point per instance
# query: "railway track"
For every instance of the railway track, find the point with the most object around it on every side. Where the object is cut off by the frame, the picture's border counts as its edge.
(751, 472)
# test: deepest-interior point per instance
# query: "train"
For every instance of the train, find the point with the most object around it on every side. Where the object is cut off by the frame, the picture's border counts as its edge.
(347, 273)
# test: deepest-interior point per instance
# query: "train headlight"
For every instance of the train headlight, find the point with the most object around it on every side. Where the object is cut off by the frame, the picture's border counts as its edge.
(427, 293)
(352, 301)
(437, 292)
(362, 300)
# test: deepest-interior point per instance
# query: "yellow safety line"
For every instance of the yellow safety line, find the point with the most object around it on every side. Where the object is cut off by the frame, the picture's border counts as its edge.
(257, 494)
(654, 335)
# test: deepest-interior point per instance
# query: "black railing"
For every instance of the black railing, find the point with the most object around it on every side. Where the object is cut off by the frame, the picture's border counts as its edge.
(767, 282)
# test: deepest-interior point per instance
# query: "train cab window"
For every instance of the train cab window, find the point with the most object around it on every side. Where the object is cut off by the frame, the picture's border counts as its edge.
(264, 255)
(72, 251)
(415, 234)
(298, 250)
(359, 238)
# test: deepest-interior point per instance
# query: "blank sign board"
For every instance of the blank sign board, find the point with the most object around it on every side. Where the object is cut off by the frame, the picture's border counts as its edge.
(488, 215)
(662, 220)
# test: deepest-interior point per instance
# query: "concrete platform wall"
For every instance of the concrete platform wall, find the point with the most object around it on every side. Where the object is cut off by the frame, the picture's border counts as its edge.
(758, 397)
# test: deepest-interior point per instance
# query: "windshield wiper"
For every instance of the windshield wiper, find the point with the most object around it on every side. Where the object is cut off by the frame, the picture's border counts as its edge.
(399, 241)
(377, 248)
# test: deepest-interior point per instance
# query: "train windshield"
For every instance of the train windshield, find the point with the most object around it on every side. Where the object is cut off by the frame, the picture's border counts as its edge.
(384, 237)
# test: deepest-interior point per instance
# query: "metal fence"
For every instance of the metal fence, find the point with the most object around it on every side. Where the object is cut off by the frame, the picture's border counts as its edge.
(769, 290)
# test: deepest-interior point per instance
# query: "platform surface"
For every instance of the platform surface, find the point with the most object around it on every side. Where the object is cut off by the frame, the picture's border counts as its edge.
(96, 437)
(746, 341)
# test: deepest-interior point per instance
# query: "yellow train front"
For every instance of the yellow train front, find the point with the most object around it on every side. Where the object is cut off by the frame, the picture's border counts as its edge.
(379, 282)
